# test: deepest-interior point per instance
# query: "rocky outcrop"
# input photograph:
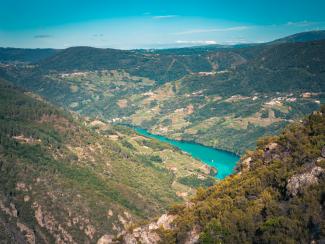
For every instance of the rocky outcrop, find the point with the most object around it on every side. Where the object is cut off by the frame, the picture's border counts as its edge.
(270, 152)
(148, 234)
(28, 233)
(165, 221)
(141, 235)
(106, 239)
(271, 146)
(47, 221)
(10, 211)
(298, 182)
(22, 233)
(245, 164)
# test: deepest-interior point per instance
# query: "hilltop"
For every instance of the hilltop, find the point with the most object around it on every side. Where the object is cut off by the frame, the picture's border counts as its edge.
(302, 37)
(25, 54)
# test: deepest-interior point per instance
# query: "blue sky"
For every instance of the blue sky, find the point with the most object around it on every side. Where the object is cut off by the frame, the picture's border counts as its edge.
(128, 24)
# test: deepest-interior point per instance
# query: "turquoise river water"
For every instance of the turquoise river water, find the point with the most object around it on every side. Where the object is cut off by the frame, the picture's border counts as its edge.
(224, 161)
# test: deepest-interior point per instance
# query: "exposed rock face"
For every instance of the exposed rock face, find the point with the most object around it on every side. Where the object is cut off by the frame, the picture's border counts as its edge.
(269, 151)
(20, 186)
(165, 221)
(11, 210)
(46, 220)
(29, 233)
(105, 239)
(23, 233)
(142, 235)
(109, 213)
(271, 146)
(27, 140)
(98, 124)
(90, 231)
(246, 164)
(297, 182)
(147, 234)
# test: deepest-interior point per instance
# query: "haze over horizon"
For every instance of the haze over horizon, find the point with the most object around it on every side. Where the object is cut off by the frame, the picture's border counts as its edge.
(146, 24)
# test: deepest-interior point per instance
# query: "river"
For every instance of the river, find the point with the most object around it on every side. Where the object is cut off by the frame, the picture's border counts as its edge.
(223, 161)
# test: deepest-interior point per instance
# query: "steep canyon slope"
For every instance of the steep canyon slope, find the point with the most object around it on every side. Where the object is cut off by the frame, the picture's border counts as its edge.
(67, 179)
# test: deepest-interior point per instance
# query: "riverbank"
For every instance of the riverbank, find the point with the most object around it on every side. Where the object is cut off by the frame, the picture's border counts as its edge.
(222, 160)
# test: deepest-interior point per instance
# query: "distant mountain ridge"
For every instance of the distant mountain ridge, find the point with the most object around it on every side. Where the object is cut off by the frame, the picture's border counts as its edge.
(25, 54)
(36, 55)
(307, 36)
(315, 35)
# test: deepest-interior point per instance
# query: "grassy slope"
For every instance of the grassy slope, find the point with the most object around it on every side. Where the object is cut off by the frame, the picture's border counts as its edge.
(67, 178)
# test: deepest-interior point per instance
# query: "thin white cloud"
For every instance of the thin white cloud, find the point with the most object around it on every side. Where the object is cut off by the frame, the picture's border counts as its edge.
(233, 42)
(300, 23)
(164, 16)
(194, 31)
(200, 42)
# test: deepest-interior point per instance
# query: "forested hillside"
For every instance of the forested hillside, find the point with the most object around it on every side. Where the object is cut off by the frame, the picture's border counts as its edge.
(302, 37)
(67, 179)
(8, 55)
(277, 196)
